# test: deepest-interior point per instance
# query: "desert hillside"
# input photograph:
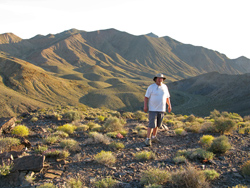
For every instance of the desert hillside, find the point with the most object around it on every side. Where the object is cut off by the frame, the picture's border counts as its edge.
(106, 68)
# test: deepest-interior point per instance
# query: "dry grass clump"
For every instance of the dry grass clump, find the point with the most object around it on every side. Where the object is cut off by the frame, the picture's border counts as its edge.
(57, 153)
(113, 124)
(189, 177)
(7, 142)
(41, 149)
(245, 169)
(72, 115)
(154, 176)
(180, 131)
(82, 128)
(74, 183)
(96, 137)
(5, 168)
(195, 154)
(51, 139)
(144, 155)
(107, 182)
(141, 116)
(47, 185)
(180, 159)
(117, 145)
(61, 134)
(67, 128)
(240, 186)
(70, 144)
(220, 145)
(211, 174)
(142, 133)
(20, 130)
(105, 158)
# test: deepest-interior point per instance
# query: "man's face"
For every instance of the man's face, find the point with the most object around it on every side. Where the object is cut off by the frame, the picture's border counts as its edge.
(159, 81)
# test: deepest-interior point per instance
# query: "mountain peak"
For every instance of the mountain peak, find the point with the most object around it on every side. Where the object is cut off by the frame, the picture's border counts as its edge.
(152, 35)
(7, 38)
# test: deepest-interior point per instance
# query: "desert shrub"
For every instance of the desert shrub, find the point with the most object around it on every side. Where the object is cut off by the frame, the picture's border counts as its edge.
(220, 145)
(224, 125)
(128, 115)
(206, 140)
(245, 169)
(20, 130)
(154, 176)
(107, 182)
(74, 183)
(144, 155)
(5, 168)
(105, 157)
(141, 116)
(97, 128)
(180, 131)
(245, 130)
(96, 137)
(214, 114)
(113, 124)
(194, 127)
(194, 154)
(51, 139)
(211, 174)
(70, 144)
(142, 133)
(47, 185)
(41, 149)
(61, 134)
(101, 118)
(140, 127)
(123, 132)
(191, 118)
(57, 153)
(189, 177)
(208, 127)
(179, 159)
(7, 142)
(246, 118)
(82, 128)
(67, 128)
(72, 115)
(112, 134)
(34, 119)
(117, 145)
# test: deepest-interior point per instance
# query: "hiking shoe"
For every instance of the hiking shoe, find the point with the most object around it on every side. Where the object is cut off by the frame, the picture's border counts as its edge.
(148, 142)
(155, 140)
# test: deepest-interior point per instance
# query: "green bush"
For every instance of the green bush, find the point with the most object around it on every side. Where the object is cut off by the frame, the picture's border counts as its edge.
(179, 159)
(67, 128)
(224, 125)
(180, 131)
(220, 145)
(105, 157)
(145, 155)
(61, 154)
(245, 169)
(113, 124)
(142, 133)
(108, 182)
(154, 176)
(117, 145)
(51, 139)
(20, 130)
(211, 174)
(6, 168)
(41, 149)
(74, 183)
(47, 185)
(206, 140)
(141, 116)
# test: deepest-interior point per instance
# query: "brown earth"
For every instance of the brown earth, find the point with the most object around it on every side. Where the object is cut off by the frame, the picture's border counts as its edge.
(127, 170)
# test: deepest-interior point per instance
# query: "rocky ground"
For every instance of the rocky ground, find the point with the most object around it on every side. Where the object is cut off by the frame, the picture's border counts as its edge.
(127, 170)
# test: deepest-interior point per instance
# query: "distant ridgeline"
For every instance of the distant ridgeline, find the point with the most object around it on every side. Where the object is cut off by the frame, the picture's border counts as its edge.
(112, 69)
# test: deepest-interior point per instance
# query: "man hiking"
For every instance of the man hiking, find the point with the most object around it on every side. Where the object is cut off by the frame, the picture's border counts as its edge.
(156, 97)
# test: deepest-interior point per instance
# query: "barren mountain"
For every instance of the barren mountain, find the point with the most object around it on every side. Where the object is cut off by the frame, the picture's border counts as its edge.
(206, 92)
(106, 68)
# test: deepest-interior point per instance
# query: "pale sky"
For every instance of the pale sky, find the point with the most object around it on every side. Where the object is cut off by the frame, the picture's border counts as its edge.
(220, 25)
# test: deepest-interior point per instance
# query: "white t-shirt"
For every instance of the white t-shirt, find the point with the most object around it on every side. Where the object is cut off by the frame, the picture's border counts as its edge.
(157, 96)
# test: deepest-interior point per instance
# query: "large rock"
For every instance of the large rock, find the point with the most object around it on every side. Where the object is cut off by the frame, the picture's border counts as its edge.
(29, 163)
(6, 124)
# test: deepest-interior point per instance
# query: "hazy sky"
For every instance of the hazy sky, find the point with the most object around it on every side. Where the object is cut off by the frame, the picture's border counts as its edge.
(220, 25)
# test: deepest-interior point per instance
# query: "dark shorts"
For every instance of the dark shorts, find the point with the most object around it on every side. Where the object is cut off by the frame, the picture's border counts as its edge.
(155, 119)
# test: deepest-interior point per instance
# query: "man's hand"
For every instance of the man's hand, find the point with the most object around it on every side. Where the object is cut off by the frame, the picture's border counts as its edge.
(169, 109)
(145, 109)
